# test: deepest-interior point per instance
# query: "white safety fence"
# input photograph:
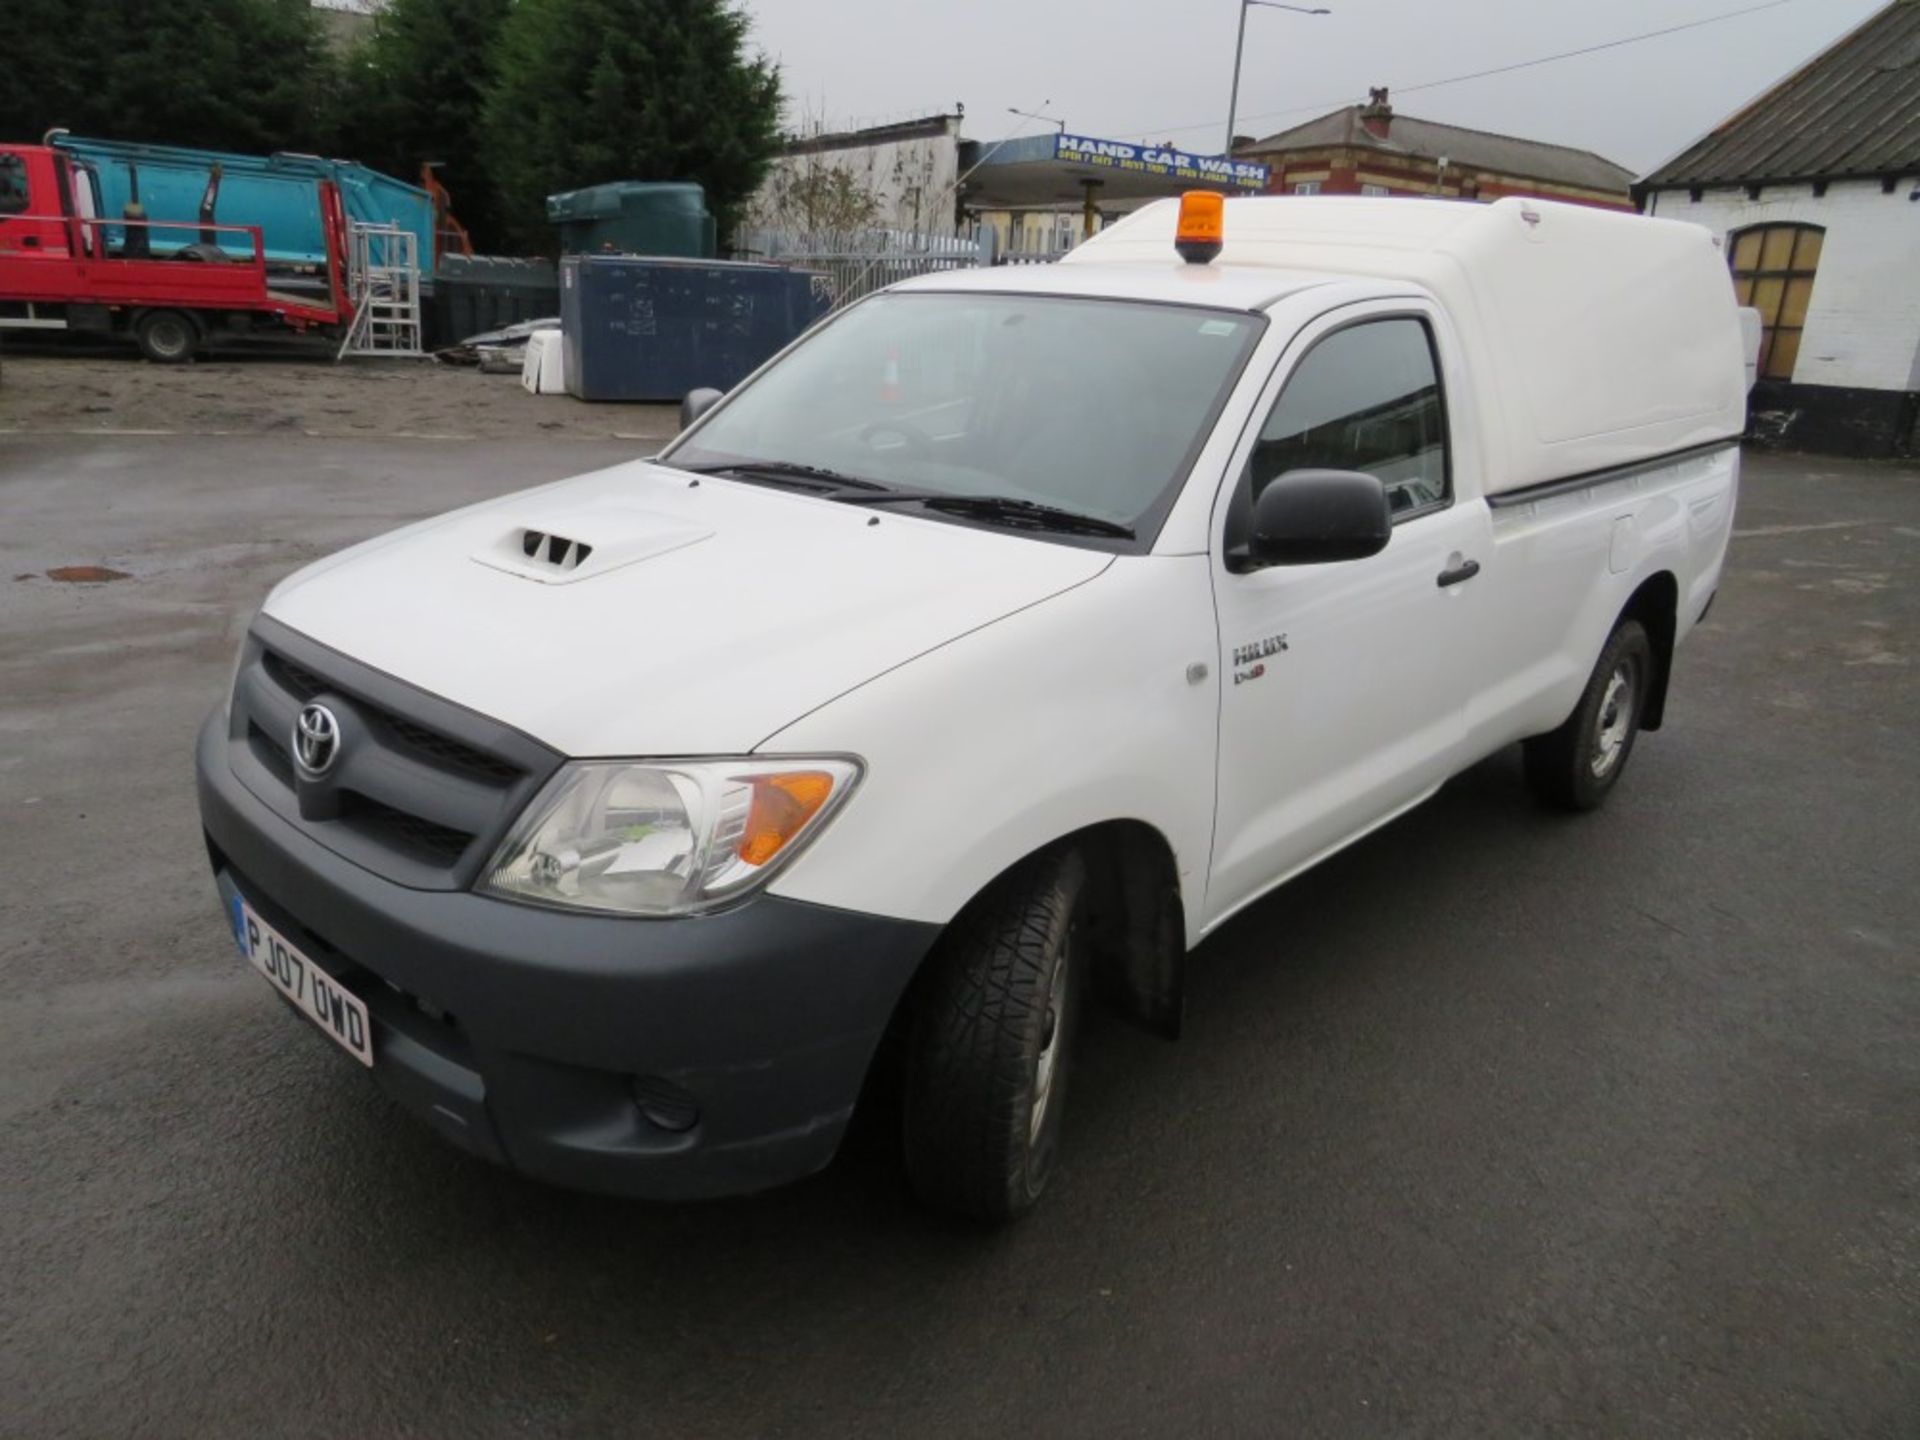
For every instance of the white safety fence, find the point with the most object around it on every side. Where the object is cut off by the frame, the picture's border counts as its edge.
(850, 264)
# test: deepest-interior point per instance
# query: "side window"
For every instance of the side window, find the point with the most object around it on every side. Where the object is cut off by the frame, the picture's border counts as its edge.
(1365, 398)
(1773, 269)
(13, 185)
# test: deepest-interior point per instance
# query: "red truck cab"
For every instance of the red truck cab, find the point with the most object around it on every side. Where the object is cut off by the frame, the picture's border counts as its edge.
(37, 192)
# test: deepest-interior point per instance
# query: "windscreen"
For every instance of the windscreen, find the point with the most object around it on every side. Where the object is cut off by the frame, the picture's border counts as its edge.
(1093, 406)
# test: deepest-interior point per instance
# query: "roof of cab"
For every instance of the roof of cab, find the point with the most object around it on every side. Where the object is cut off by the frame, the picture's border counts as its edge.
(1270, 230)
(1276, 246)
(1169, 281)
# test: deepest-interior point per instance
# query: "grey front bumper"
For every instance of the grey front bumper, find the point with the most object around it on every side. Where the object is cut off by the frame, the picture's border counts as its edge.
(536, 1038)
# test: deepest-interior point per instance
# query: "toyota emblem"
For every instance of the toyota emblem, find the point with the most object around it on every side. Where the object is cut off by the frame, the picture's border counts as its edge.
(316, 741)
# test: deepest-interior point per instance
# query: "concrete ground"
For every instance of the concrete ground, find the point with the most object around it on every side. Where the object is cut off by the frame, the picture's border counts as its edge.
(1499, 1123)
(102, 390)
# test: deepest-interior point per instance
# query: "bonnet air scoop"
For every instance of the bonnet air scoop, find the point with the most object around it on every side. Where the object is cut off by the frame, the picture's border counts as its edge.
(554, 550)
(585, 543)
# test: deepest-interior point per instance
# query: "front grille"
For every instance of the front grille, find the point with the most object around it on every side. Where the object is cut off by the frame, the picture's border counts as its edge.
(271, 753)
(450, 753)
(430, 745)
(296, 680)
(421, 791)
(435, 844)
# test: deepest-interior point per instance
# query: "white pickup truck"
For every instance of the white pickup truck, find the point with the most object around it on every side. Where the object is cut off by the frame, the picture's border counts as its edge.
(986, 650)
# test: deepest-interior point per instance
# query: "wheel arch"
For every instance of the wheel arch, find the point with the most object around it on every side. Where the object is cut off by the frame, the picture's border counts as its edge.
(195, 322)
(1137, 917)
(1138, 941)
(1138, 922)
(1655, 603)
(192, 317)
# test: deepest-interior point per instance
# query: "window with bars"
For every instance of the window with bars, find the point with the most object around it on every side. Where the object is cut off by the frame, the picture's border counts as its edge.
(1773, 269)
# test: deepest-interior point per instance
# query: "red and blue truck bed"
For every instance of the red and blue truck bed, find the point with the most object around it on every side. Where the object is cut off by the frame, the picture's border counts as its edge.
(169, 284)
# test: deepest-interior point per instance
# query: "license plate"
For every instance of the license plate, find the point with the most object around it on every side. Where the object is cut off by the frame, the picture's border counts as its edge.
(316, 994)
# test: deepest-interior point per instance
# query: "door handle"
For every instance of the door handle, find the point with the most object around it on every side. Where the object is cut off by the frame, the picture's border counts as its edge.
(1465, 570)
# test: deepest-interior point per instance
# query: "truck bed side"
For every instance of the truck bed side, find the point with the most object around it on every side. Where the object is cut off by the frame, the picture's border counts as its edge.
(1663, 527)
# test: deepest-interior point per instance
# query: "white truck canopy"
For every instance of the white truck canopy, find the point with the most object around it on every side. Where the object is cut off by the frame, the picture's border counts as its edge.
(1595, 339)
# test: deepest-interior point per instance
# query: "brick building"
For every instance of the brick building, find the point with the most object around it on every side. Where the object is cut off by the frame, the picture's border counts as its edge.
(1814, 191)
(1369, 150)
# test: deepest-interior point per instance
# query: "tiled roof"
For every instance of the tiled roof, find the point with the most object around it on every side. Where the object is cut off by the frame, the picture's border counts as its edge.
(1474, 149)
(1853, 110)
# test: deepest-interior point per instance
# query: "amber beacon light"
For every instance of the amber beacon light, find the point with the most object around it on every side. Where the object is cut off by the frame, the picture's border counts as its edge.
(1202, 226)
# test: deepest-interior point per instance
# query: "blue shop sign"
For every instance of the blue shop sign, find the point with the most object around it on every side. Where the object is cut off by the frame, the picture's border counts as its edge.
(1157, 160)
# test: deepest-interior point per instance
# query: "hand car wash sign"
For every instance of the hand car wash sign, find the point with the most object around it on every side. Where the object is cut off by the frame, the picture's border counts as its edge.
(1156, 160)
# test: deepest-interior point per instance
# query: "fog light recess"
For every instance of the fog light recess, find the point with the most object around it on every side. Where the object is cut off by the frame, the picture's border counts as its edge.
(665, 1105)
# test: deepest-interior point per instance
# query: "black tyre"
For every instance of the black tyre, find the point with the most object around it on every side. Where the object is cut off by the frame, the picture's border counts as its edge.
(167, 337)
(1575, 766)
(991, 1042)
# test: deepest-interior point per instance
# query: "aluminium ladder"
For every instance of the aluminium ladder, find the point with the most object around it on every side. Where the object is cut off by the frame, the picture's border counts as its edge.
(383, 284)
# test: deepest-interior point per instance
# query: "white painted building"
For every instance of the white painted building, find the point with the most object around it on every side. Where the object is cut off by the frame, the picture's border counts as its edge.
(1862, 326)
(1814, 190)
(900, 177)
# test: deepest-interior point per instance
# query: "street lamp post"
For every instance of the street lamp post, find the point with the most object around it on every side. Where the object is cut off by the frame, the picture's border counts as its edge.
(1239, 45)
(1040, 115)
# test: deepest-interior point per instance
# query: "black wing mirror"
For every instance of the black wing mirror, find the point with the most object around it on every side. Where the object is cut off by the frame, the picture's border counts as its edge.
(697, 403)
(1314, 517)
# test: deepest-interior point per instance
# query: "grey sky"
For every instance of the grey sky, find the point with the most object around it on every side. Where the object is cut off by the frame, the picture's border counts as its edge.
(1131, 69)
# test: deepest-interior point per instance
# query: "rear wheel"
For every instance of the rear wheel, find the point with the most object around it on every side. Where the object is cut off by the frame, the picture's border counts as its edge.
(167, 337)
(991, 1042)
(1575, 766)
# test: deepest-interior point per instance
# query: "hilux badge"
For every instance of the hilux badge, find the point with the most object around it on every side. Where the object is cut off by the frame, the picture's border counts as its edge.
(1247, 659)
(316, 740)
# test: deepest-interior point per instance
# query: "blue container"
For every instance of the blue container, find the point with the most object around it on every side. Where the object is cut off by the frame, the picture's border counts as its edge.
(645, 328)
(276, 192)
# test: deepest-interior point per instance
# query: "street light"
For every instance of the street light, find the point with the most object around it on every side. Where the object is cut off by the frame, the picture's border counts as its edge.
(1233, 101)
(1037, 115)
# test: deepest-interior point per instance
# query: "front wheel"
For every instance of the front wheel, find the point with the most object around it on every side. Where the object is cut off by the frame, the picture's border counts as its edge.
(991, 1042)
(167, 337)
(1575, 766)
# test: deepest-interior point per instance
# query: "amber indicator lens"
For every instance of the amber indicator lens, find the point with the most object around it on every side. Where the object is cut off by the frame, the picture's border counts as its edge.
(782, 805)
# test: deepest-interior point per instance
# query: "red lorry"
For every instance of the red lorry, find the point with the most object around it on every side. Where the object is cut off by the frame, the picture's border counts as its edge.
(170, 284)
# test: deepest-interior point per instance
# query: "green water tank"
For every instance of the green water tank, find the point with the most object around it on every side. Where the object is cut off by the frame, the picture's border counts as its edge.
(635, 217)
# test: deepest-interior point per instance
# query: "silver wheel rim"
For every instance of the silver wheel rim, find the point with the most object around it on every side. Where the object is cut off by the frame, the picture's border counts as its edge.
(1616, 720)
(1047, 1065)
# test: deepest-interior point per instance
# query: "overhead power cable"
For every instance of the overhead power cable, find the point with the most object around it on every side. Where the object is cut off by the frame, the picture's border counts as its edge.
(1155, 133)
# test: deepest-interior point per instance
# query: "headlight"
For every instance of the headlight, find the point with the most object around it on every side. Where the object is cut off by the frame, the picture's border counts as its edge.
(664, 838)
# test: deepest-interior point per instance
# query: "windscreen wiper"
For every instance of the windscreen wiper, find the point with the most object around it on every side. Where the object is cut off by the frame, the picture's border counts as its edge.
(833, 485)
(813, 476)
(1011, 508)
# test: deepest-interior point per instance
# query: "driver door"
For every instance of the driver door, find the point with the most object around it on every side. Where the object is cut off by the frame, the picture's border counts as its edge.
(1343, 695)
